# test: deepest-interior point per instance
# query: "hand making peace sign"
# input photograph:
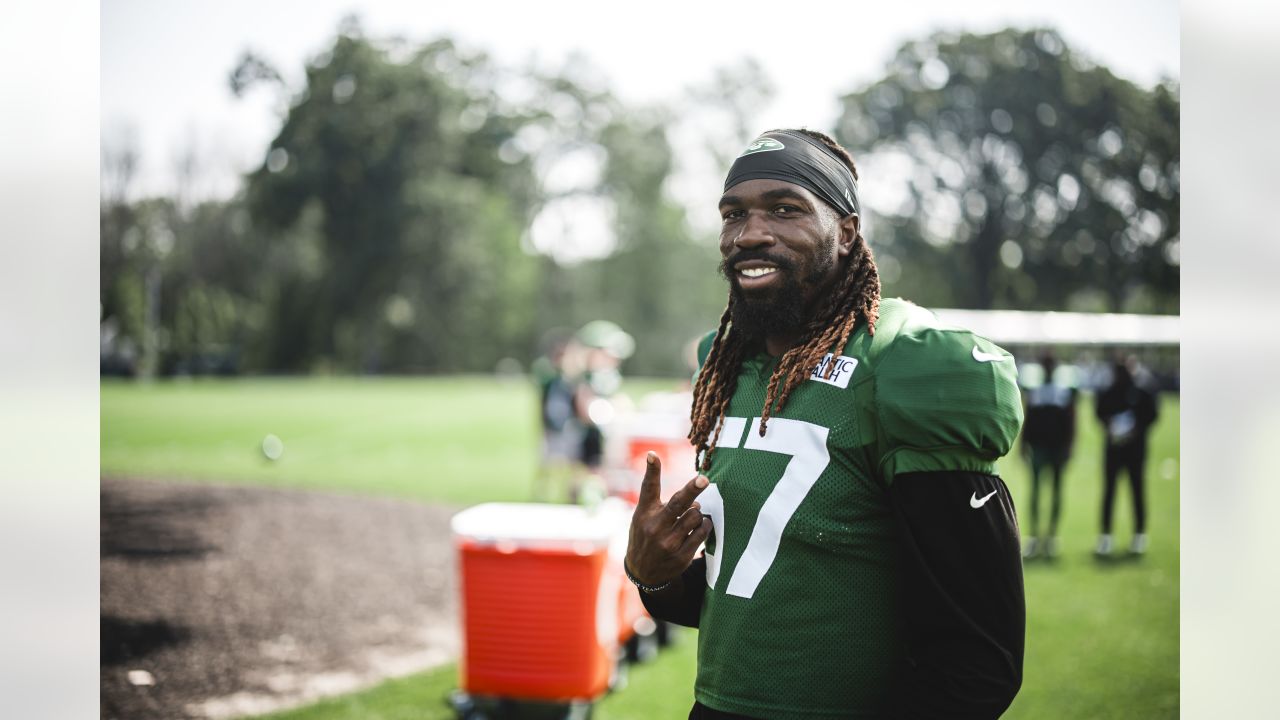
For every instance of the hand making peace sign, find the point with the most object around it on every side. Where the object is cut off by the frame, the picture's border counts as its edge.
(664, 536)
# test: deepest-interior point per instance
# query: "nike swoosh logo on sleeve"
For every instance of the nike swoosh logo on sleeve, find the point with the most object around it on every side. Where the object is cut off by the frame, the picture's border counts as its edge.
(974, 502)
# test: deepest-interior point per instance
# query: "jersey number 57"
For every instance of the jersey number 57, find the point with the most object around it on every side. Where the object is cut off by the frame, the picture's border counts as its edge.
(806, 443)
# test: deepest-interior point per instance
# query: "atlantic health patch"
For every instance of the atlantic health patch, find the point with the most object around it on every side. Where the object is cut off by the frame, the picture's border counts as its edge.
(841, 369)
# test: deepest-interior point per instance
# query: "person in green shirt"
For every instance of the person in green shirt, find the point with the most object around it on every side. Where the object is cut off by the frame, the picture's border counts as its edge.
(860, 556)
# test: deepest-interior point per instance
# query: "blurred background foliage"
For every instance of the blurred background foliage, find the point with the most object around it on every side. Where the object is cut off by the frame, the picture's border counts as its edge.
(390, 227)
(1036, 179)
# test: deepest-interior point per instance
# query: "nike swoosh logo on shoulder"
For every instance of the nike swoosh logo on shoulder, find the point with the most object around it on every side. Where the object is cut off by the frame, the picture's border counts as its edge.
(974, 502)
(985, 356)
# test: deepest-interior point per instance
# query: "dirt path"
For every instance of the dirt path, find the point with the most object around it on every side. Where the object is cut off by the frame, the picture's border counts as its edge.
(238, 600)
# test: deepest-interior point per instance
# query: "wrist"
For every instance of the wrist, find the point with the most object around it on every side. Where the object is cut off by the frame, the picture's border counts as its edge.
(644, 588)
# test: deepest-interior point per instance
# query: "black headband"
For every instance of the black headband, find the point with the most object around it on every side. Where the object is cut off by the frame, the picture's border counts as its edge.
(796, 158)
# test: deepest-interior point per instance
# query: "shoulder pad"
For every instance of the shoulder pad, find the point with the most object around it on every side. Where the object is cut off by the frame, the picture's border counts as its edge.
(896, 317)
(946, 399)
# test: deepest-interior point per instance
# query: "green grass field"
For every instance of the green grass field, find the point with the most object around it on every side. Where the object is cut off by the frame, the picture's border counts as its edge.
(459, 440)
(1102, 638)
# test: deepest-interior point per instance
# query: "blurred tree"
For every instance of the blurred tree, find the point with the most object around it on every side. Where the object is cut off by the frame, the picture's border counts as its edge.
(1029, 177)
(215, 284)
(115, 218)
(135, 243)
(655, 283)
(661, 283)
(400, 161)
(253, 70)
(726, 108)
(182, 290)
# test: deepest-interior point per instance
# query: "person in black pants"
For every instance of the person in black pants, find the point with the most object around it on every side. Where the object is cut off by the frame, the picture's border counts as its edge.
(1127, 410)
(1047, 436)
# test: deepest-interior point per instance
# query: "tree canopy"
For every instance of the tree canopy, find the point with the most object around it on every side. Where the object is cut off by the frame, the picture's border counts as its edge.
(1018, 174)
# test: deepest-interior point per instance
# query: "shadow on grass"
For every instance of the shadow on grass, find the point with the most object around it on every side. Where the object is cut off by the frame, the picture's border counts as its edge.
(1107, 562)
(1114, 561)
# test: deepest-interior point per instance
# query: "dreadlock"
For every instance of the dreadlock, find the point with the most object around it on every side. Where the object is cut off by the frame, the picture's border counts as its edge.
(856, 296)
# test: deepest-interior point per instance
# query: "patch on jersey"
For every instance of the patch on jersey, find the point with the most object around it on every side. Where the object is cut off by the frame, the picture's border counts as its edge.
(844, 366)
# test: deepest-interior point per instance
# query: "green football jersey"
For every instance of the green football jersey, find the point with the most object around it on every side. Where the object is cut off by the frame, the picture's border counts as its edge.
(801, 616)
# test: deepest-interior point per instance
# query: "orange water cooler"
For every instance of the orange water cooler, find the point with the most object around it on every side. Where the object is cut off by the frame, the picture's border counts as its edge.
(678, 464)
(545, 604)
(663, 433)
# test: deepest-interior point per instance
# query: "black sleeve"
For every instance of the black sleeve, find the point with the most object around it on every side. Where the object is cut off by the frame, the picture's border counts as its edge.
(682, 602)
(964, 609)
(1148, 408)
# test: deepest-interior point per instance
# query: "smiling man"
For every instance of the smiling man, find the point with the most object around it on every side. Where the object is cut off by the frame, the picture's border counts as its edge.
(861, 556)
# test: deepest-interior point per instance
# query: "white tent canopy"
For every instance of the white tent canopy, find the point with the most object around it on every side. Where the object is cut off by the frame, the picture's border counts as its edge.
(1066, 328)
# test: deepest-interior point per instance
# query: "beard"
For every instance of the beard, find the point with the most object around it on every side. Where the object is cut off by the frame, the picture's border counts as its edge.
(782, 309)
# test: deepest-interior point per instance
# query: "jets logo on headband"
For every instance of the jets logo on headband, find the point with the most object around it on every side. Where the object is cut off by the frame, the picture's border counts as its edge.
(763, 144)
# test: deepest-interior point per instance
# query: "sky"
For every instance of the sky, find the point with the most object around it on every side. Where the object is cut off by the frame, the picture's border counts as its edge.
(165, 64)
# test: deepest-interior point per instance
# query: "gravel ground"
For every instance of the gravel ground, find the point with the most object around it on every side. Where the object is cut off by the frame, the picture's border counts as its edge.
(230, 601)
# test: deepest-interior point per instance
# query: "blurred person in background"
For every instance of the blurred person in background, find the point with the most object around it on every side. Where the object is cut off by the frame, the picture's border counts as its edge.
(597, 399)
(1127, 410)
(554, 373)
(1047, 436)
(862, 558)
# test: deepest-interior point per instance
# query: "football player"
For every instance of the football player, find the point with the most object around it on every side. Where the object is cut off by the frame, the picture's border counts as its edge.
(861, 556)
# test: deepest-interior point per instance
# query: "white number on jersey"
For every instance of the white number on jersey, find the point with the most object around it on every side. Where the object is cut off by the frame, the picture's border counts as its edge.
(806, 443)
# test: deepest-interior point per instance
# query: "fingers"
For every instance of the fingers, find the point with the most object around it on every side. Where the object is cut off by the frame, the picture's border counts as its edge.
(689, 521)
(651, 484)
(697, 536)
(664, 537)
(683, 497)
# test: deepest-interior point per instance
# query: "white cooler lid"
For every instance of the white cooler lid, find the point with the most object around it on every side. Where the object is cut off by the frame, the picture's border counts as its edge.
(541, 524)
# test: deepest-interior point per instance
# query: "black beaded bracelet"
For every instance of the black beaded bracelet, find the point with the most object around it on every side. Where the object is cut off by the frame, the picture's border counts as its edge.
(642, 586)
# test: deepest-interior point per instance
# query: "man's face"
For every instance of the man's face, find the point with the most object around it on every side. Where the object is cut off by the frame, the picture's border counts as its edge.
(781, 248)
